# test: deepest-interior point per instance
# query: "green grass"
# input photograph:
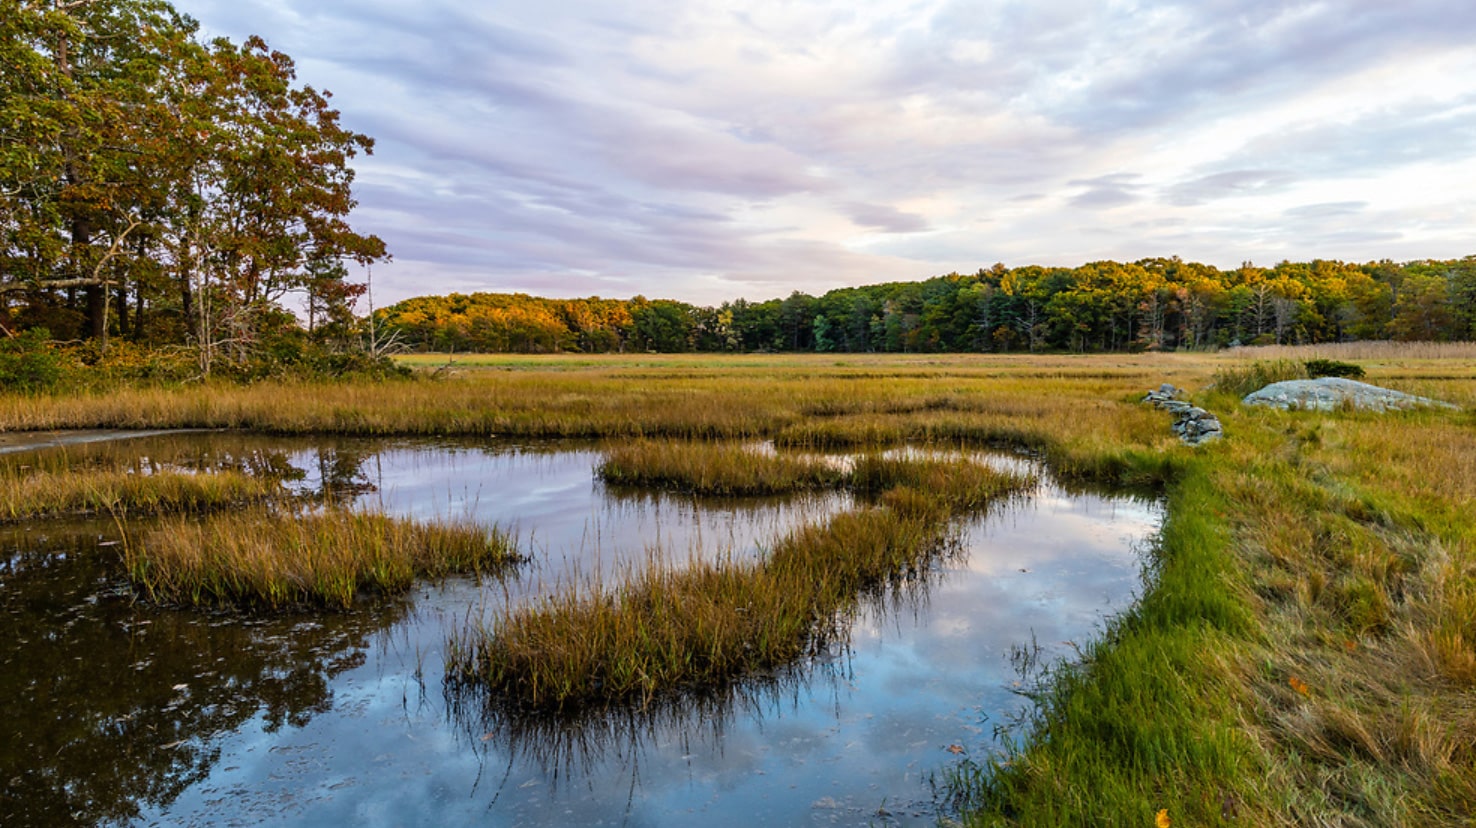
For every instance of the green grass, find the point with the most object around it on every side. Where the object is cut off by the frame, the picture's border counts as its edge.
(268, 558)
(1149, 718)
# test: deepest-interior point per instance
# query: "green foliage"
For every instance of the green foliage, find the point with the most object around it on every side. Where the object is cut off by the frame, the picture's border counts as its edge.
(167, 191)
(1333, 368)
(29, 363)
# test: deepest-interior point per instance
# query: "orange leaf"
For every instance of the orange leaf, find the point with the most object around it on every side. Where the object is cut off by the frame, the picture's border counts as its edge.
(1162, 820)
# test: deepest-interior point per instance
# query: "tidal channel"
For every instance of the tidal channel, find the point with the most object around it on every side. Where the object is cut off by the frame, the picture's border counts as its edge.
(118, 712)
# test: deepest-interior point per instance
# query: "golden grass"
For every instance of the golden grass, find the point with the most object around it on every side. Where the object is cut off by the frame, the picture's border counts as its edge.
(1368, 350)
(713, 469)
(709, 624)
(102, 491)
(1331, 548)
(269, 558)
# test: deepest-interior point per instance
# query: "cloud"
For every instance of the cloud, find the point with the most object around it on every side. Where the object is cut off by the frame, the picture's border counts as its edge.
(1329, 210)
(885, 219)
(1230, 184)
(1107, 191)
(689, 151)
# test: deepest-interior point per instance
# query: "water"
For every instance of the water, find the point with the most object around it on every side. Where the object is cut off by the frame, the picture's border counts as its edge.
(124, 714)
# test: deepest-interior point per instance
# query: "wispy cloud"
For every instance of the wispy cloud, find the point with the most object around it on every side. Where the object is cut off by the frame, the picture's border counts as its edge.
(705, 152)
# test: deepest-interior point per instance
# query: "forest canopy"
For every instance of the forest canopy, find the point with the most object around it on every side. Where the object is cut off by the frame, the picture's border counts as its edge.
(1150, 304)
(167, 190)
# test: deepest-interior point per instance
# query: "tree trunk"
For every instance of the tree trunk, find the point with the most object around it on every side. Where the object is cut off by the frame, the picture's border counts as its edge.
(122, 300)
(92, 295)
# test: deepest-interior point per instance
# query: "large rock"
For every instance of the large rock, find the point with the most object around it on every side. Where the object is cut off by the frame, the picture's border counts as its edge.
(1329, 393)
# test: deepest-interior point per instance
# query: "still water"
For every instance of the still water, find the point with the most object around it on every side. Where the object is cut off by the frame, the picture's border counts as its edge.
(120, 713)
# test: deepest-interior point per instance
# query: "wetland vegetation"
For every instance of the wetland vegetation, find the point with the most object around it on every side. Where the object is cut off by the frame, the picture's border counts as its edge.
(278, 556)
(1303, 649)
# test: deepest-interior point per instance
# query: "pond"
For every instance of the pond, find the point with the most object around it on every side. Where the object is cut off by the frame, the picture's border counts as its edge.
(121, 713)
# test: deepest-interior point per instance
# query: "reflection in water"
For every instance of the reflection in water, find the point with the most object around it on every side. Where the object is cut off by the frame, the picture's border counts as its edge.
(113, 704)
(131, 714)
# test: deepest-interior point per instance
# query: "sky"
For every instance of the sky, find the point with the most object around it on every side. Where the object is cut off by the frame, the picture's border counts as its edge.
(705, 151)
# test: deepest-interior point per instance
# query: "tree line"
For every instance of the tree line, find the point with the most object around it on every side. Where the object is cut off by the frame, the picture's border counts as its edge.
(168, 190)
(1150, 304)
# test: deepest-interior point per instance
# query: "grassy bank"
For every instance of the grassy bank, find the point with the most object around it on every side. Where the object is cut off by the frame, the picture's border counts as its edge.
(1304, 657)
(265, 557)
(708, 624)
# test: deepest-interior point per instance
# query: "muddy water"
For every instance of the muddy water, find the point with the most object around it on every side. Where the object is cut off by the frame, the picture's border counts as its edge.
(119, 713)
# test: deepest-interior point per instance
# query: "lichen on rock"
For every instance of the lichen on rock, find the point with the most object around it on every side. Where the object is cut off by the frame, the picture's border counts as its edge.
(1330, 393)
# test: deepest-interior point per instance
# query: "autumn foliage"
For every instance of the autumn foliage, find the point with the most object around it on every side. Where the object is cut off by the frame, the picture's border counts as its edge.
(1151, 304)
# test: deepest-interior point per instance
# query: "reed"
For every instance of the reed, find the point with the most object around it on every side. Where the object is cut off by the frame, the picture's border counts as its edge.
(710, 624)
(265, 557)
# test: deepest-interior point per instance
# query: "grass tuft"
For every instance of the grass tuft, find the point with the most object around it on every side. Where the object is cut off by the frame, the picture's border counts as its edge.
(1243, 378)
(713, 469)
(102, 491)
(262, 557)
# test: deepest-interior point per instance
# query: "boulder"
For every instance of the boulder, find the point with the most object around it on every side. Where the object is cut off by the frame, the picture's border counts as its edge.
(1329, 393)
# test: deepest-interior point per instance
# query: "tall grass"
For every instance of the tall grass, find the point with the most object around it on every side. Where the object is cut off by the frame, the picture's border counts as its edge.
(710, 624)
(102, 491)
(728, 469)
(1304, 655)
(1304, 652)
(1365, 350)
(266, 557)
(1243, 378)
(712, 469)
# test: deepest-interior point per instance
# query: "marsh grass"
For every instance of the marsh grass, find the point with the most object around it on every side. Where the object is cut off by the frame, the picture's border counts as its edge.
(712, 623)
(702, 626)
(737, 470)
(270, 558)
(1243, 378)
(722, 469)
(1304, 651)
(102, 491)
(1304, 655)
(1366, 350)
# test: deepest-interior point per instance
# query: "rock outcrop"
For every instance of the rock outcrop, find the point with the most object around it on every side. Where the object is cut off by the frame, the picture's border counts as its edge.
(1330, 393)
(1193, 424)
